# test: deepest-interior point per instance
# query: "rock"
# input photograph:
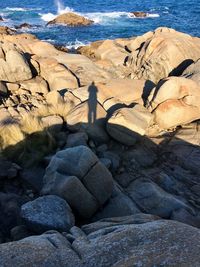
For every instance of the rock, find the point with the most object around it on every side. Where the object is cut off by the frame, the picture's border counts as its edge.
(10, 212)
(19, 232)
(77, 139)
(118, 205)
(23, 26)
(76, 172)
(71, 19)
(54, 251)
(193, 72)
(3, 89)
(53, 123)
(127, 125)
(184, 216)
(152, 199)
(114, 92)
(13, 66)
(175, 101)
(6, 30)
(57, 75)
(90, 117)
(47, 213)
(138, 14)
(36, 85)
(1, 19)
(161, 53)
(124, 241)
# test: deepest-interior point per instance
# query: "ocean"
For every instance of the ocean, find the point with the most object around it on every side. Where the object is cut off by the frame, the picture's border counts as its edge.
(111, 17)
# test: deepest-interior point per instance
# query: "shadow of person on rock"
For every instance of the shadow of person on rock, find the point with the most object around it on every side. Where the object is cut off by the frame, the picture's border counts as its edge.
(92, 103)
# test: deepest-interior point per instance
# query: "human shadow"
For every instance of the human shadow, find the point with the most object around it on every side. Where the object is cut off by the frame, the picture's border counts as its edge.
(92, 103)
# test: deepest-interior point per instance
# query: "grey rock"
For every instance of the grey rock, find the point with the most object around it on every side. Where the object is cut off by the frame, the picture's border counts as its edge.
(47, 213)
(77, 139)
(79, 167)
(184, 216)
(47, 250)
(154, 200)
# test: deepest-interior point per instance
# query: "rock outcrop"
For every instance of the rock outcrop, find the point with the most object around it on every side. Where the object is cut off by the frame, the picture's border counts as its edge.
(71, 19)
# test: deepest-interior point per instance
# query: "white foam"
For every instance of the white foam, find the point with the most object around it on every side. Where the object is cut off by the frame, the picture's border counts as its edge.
(76, 44)
(153, 15)
(102, 17)
(21, 9)
(47, 17)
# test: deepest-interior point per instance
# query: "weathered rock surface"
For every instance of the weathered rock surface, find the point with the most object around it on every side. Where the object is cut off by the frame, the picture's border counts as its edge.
(47, 213)
(193, 72)
(77, 175)
(110, 243)
(71, 19)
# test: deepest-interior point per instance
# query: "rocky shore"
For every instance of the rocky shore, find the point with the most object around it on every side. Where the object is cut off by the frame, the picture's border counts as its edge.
(100, 154)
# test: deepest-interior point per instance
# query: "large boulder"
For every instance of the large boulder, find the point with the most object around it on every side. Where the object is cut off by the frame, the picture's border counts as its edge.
(13, 65)
(139, 240)
(127, 125)
(163, 52)
(47, 213)
(77, 175)
(175, 101)
(71, 19)
(57, 75)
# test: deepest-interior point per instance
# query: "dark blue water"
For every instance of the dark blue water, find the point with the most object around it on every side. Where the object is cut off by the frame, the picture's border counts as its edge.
(111, 18)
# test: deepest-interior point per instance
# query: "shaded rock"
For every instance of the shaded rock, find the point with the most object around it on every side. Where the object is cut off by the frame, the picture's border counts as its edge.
(152, 199)
(77, 139)
(126, 125)
(53, 122)
(47, 213)
(90, 117)
(1, 19)
(77, 172)
(184, 216)
(138, 14)
(54, 251)
(71, 19)
(193, 72)
(19, 232)
(117, 206)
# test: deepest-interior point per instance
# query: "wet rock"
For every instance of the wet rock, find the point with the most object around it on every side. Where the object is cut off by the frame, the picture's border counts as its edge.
(47, 213)
(138, 14)
(23, 26)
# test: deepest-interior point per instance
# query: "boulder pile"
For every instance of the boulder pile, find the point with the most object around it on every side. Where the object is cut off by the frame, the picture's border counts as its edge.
(99, 162)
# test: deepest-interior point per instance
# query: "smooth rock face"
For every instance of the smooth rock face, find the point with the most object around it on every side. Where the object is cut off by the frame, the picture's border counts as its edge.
(77, 171)
(47, 213)
(71, 19)
(13, 66)
(175, 101)
(126, 125)
(138, 14)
